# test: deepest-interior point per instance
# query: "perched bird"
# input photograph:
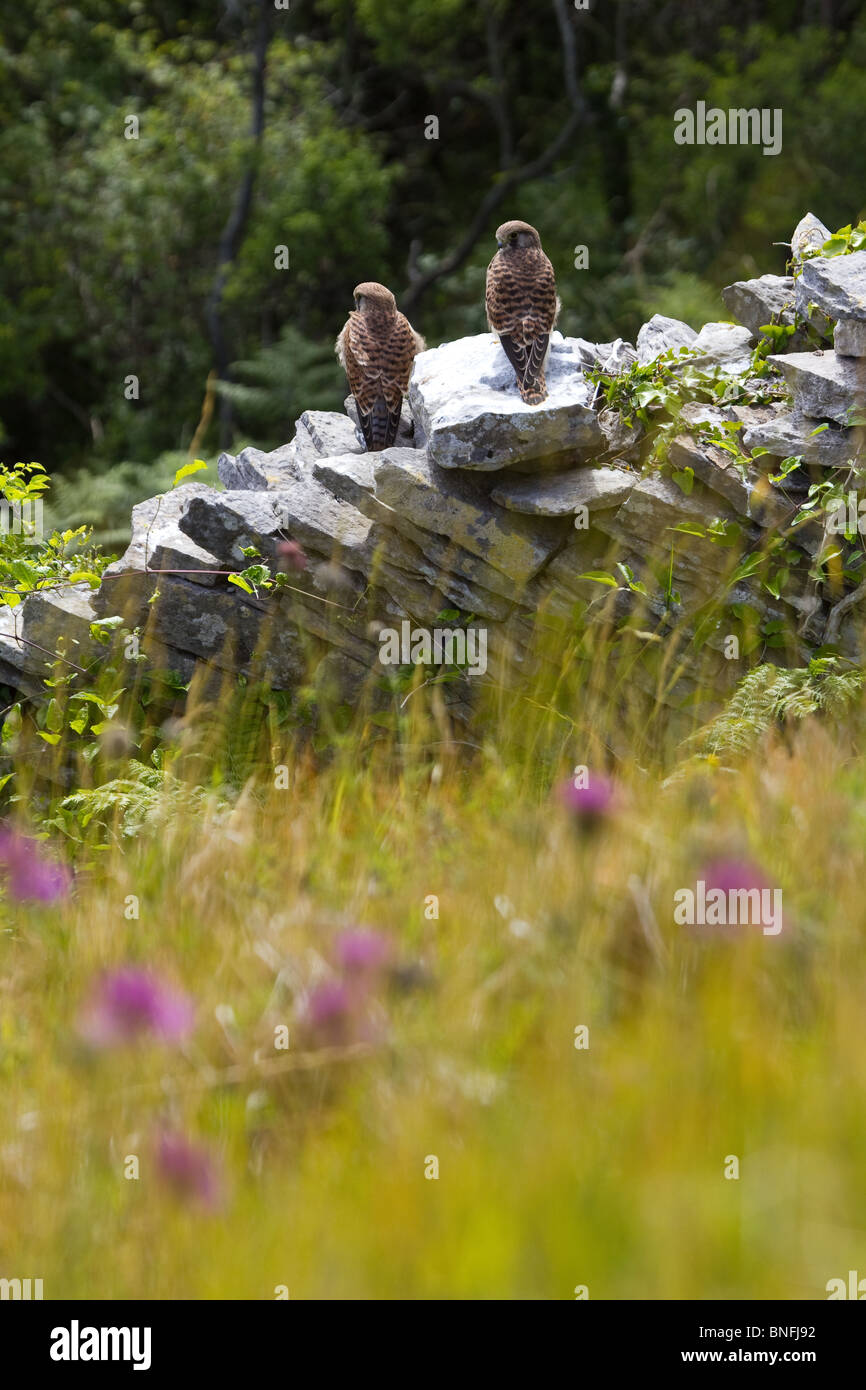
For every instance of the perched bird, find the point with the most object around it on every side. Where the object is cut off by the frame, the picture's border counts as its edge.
(377, 348)
(522, 305)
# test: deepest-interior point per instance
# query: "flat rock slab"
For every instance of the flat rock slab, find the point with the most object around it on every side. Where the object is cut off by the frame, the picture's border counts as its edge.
(562, 494)
(744, 486)
(613, 357)
(837, 284)
(645, 521)
(785, 435)
(469, 414)
(722, 347)
(474, 584)
(849, 340)
(255, 471)
(348, 477)
(662, 334)
(58, 620)
(157, 544)
(766, 299)
(826, 387)
(324, 433)
(452, 505)
(228, 630)
(227, 522)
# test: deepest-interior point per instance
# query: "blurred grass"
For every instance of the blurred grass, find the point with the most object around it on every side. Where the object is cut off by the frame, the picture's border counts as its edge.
(558, 1167)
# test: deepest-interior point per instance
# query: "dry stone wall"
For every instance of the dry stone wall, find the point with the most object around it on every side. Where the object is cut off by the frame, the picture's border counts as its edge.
(475, 508)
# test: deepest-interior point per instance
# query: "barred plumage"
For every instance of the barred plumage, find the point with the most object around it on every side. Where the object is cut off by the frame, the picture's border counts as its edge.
(522, 305)
(377, 347)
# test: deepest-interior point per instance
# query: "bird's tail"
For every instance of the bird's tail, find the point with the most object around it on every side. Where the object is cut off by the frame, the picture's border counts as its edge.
(533, 390)
(379, 425)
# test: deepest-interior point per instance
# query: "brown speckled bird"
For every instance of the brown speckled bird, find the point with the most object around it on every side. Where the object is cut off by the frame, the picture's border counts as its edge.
(522, 305)
(377, 348)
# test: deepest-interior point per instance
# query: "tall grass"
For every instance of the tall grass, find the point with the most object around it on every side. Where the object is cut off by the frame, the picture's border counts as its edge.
(558, 1167)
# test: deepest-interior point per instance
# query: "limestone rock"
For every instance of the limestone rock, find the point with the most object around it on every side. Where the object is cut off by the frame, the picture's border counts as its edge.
(785, 434)
(742, 485)
(58, 620)
(256, 471)
(767, 299)
(826, 387)
(477, 583)
(613, 357)
(662, 334)
(469, 414)
(836, 284)
(563, 493)
(849, 339)
(722, 347)
(325, 433)
(809, 235)
(452, 505)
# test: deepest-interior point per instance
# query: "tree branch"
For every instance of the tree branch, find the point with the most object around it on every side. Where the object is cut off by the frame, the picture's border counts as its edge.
(420, 281)
(236, 223)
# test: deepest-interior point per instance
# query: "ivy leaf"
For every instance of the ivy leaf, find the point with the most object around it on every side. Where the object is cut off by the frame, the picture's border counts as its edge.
(600, 577)
(195, 467)
(837, 245)
(84, 576)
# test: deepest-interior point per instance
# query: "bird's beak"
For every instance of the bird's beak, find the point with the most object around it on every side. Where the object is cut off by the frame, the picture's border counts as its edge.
(499, 243)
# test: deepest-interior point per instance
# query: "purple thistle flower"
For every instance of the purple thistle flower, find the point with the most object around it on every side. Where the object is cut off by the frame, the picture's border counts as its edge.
(187, 1169)
(588, 805)
(742, 895)
(129, 1004)
(362, 954)
(728, 874)
(330, 1014)
(30, 876)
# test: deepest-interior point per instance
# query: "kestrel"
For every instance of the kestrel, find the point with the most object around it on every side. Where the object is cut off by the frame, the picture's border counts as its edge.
(522, 305)
(377, 348)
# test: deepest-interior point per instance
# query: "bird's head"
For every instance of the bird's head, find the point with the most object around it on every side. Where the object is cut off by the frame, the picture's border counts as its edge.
(374, 297)
(513, 235)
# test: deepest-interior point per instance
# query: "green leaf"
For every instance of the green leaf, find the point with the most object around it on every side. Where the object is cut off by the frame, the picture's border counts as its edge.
(54, 717)
(836, 245)
(600, 577)
(241, 583)
(195, 467)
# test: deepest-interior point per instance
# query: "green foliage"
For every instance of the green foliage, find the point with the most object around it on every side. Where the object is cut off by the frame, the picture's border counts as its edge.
(841, 243)
(769, 695)
(145, 798)
(111, 244)
(272, 389)
(103, 501)
(29, 561)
